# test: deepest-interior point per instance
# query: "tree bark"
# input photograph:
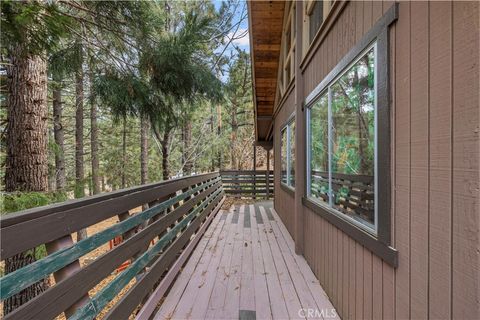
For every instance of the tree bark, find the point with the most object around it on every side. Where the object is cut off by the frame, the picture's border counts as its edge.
(124, 152)
(219, 133)
(144, 130)
(94, 141)
(187, 142)
(233, 137)
(26, 164)
(59, 137)
(164, 142)
(79, 168)
(212, 132)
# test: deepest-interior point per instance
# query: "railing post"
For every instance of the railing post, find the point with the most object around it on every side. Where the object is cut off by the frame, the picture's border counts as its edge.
(67, 271)
(254, 171)
(268, 173)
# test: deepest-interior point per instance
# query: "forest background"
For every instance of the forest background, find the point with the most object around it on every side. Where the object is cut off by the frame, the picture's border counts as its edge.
(136, 92)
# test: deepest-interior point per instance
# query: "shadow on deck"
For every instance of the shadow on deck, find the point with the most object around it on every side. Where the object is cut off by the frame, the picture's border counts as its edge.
(245, 267)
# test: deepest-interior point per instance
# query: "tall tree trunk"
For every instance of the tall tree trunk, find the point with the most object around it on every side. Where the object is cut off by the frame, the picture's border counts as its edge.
(165, 153)
(79, 169)
(124, 152)
(187, 142)
(94, 141)
(144, 130)
(59, 136)
(219, 133)
(233, 137)
(26, 164)
(51, 168)
(212, 132)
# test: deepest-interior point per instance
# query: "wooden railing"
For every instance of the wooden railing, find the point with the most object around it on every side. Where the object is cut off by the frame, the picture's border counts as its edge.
(353, 194)
(248, 184)
(175, 214)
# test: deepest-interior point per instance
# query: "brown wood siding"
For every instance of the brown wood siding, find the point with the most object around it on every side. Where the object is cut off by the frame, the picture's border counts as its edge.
(434, 82)
(284, 201)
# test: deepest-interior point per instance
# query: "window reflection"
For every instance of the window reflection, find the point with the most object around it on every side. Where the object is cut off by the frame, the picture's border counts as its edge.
(350, 184)
(319, 149)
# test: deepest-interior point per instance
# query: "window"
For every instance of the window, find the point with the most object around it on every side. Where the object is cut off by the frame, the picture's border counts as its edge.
(342, 130)
(287, 53)
(315, 13)
(348, 143)
(288, 154)
(315, 16)
(284, 149)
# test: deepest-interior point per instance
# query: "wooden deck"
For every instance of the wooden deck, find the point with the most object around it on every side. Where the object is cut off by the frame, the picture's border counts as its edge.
(245, 267)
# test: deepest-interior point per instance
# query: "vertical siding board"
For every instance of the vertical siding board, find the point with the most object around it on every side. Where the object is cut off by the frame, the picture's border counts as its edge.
(388, 292)
(325, 252)
(351, 279)
(387, 4)
(402, 161)
(367, 284)
(465, 268)
(376, 11)
(377, 295)
(359, 281)
(419, 146)
(367, 15)
(316, 258)
(440, 160)
(339, 270)
(345, 278)
(358, 20)
(334, 269)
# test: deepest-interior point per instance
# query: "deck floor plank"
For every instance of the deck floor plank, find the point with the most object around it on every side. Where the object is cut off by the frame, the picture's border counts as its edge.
(262, 299)
(200, 302)
(184, 309)
(321, 298)
(173, 297)
(247, 287)
(245, 266)
(217, 297)
(231, 307)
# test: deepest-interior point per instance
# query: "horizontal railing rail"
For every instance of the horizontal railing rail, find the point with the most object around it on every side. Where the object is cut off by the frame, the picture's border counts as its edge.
(353, 194)
(152, 239)
(248, 183)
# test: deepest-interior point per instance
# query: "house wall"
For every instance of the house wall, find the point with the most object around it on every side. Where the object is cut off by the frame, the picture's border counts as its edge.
(283, 201)
(434, 78)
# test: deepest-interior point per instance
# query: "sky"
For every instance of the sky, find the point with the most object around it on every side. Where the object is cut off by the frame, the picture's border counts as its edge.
(244, 42)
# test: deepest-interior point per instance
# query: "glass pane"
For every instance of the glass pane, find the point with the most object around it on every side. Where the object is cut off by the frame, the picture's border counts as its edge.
(283, 150)
(353, 130)
(291, 181)
(319, 149)
(316, 19)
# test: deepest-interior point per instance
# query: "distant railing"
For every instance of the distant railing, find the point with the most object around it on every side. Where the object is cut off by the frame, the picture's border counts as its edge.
(156, 241)
(248, 184)
(353, 194)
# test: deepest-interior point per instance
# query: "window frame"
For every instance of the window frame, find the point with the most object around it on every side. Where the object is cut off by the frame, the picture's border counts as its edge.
(327, 91)
(287, 127)
(306, 11)
(286, 66)
(378, 242)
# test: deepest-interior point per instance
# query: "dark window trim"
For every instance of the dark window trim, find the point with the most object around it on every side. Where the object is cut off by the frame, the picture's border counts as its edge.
(335, 11)
(287, 189)
(380, 244)
(382, 250)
